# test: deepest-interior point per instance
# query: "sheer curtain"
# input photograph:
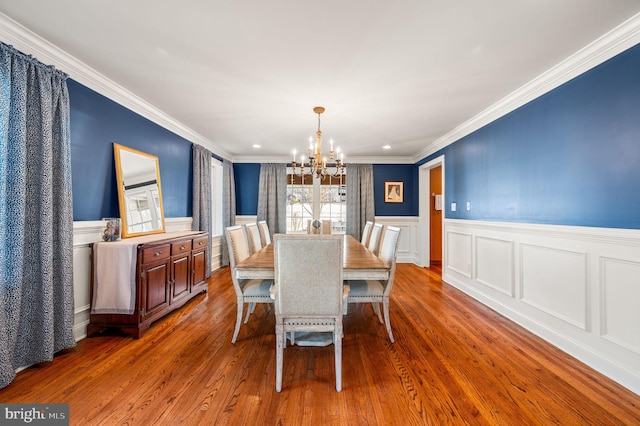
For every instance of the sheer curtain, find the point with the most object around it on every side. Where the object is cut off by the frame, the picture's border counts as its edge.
(360, 203)
(272, 197)
(36, 214)
(202, 195)
(228, 206)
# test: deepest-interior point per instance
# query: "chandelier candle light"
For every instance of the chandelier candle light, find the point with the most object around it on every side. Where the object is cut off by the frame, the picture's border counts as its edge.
(317, 163)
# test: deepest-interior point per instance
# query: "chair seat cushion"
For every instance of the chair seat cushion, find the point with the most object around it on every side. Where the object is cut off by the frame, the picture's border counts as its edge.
(361, 288)
(256, 287)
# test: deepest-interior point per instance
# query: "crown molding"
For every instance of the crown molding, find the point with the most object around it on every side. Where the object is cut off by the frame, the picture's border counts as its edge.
(26, 41)
(616, 41)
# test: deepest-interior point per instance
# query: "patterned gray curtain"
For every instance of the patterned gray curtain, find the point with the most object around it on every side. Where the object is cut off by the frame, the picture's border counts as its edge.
(360, 203)
(272, 197)
(202, 195)
(36, 214)
(228, 206)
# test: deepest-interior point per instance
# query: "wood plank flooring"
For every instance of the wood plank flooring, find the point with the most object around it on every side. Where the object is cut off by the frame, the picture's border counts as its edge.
(454, 362)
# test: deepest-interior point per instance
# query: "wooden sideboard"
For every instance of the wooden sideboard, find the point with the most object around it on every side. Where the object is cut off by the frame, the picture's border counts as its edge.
(169, 271)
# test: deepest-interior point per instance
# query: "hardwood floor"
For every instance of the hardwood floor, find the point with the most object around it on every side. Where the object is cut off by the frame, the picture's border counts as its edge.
(454, 362)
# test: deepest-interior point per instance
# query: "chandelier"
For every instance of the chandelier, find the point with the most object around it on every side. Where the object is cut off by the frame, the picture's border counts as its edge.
(315, 163)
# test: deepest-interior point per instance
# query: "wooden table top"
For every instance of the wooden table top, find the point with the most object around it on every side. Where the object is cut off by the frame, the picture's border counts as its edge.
(359, 263)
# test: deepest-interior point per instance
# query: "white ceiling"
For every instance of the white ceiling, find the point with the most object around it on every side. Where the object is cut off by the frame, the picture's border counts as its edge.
(239, 73)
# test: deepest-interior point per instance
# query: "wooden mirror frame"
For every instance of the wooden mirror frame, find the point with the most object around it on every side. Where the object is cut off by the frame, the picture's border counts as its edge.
(127, 157)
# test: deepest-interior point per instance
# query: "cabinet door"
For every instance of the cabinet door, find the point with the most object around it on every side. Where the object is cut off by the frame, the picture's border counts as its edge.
(180, 276)
(199, 266)
(154, 287)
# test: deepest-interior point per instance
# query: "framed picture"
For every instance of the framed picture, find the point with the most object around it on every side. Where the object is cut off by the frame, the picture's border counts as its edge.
(393, 192)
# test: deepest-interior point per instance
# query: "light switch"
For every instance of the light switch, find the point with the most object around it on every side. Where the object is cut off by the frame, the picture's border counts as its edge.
(453, 207)
(468, 205)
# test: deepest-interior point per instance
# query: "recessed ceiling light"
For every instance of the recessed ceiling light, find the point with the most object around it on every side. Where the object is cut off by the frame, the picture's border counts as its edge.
(386, 147)
(256, 146)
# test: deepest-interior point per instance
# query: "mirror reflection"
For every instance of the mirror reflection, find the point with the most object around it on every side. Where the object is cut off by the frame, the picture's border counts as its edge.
(139, 192)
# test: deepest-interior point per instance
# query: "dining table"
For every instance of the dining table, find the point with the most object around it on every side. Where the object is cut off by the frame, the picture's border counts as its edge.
(359, 263)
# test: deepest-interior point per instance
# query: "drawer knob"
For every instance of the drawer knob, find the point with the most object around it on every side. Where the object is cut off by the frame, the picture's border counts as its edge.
(182, 247)
(157, 253)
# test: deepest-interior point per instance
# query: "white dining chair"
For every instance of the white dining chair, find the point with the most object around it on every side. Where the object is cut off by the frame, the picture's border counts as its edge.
(366, 233)
(264, 232)
(247, 291)
(308, 292)
(374, 291)
(374, 239)
(255, 240)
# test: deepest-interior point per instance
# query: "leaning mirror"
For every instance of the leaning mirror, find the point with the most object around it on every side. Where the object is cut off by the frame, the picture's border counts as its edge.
(139, 192)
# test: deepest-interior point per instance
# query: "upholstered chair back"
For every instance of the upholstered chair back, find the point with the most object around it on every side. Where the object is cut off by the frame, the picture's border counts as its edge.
(389, 253)
(238, 244)
(326, 226)
(264, 232)
(255, 241)
(366, 233)
(308, 275)
(374, 240)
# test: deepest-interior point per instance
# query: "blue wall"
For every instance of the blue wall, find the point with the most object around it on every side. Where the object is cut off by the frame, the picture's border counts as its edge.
(247, 177)
(406, 173)
(570, 157)
(97, 122)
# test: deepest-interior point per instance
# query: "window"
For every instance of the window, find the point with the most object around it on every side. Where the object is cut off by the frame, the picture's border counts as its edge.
(216, 197)
(311, 198)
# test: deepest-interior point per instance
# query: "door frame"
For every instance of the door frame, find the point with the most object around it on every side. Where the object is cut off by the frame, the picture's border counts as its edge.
(424, 209)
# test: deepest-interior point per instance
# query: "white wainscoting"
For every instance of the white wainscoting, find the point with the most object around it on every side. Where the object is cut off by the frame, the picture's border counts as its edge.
(87, 232)
(576, 287)
(407, 243)
(244, 220)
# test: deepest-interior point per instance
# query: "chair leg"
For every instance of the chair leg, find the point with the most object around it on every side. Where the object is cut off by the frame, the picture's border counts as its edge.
(238, 320)
(376, 309)
(337, 343)
(279, 356)
(250, 308)
(387, 321)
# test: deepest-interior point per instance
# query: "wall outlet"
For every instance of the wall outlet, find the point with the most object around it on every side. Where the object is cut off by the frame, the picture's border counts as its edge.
(453, 207)
(468, 205)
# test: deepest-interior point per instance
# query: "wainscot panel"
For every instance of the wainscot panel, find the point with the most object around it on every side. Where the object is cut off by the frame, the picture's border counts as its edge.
(620, 296)
(458, 249)
(494, 260)
(554, 281)
(575, 287)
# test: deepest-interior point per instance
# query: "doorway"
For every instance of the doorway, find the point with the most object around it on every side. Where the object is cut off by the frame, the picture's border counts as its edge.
(435, 220)
(431, 212)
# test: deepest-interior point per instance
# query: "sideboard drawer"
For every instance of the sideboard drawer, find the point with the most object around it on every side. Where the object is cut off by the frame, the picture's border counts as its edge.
(199, 243)
(181, 247)
(155, 253)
